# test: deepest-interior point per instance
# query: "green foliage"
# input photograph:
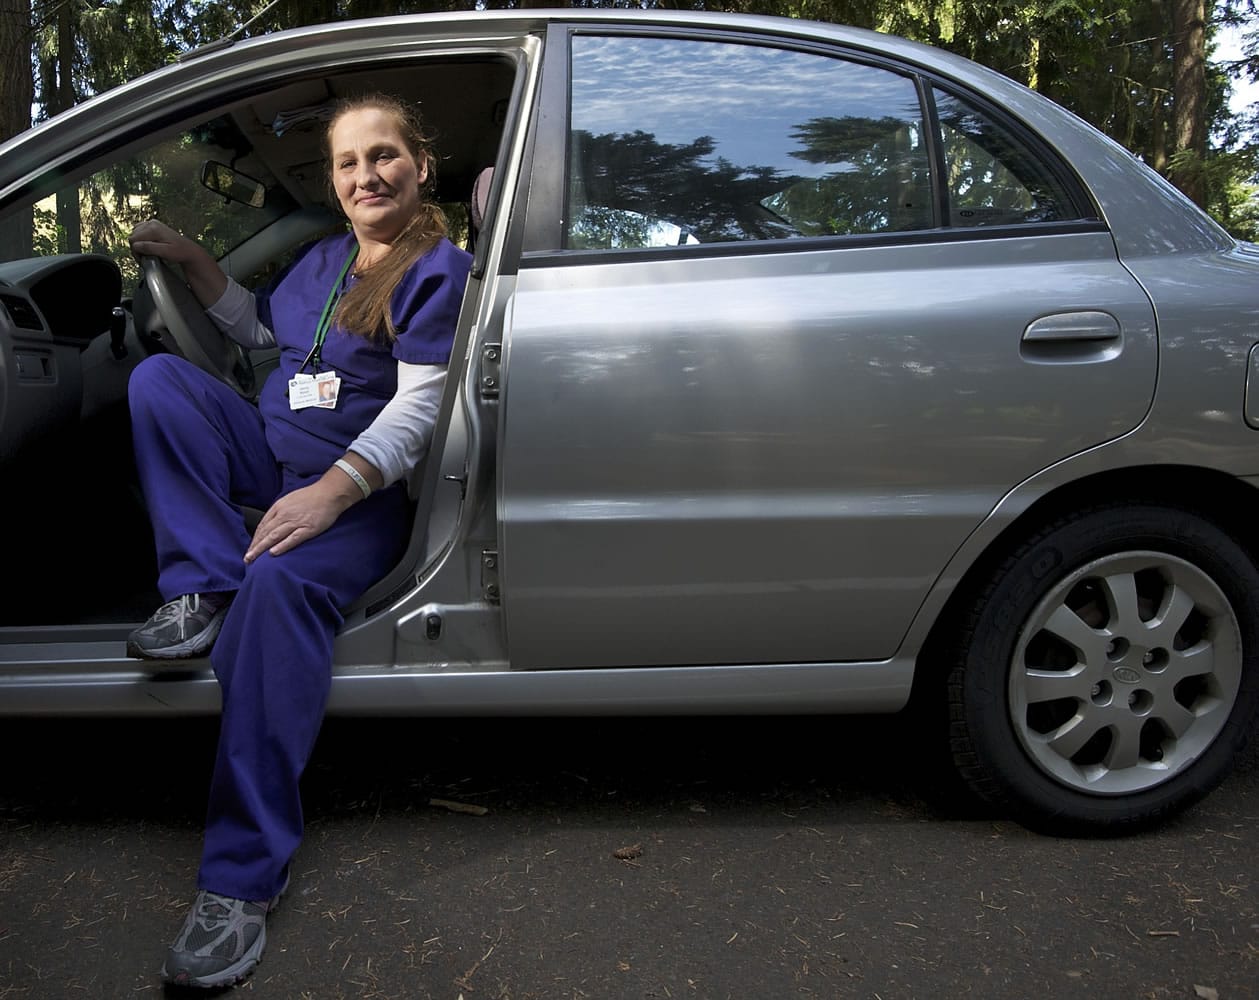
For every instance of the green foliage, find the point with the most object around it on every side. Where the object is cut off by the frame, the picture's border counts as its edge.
(1109, 61)
(1237, 209)
(1232, 188)
(47, 235)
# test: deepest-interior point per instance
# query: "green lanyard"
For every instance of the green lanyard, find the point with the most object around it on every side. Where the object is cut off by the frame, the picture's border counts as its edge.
(325, 318)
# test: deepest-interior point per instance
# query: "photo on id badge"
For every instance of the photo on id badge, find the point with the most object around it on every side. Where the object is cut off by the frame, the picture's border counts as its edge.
(329, 386)
(319, 390)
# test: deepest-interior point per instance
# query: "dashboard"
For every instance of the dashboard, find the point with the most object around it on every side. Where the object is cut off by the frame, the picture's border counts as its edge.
(51, 309)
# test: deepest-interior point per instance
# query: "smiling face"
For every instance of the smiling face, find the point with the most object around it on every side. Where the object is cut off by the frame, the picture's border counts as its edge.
(376, 175)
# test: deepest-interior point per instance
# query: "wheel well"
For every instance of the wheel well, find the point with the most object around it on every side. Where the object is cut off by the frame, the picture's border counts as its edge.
(1219, 497)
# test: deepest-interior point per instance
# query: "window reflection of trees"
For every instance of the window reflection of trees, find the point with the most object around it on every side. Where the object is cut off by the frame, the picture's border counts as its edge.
(870, 174)
(881, 183)
(629, 185)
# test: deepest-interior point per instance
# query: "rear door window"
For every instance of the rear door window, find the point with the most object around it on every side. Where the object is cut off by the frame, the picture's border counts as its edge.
(676, 142)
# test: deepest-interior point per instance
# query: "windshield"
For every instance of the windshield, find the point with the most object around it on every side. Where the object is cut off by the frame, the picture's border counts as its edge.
(163, 181)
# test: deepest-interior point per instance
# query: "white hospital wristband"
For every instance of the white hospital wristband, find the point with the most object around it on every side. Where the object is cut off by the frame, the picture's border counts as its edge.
(354, 474)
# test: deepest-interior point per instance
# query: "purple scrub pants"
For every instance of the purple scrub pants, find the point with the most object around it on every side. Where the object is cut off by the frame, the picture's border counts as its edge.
(202, 453)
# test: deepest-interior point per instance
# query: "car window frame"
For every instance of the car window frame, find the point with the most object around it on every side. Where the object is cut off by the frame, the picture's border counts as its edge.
(151, 121)
(542, 235)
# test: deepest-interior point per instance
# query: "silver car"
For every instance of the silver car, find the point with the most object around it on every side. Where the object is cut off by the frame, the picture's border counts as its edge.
(801, 369)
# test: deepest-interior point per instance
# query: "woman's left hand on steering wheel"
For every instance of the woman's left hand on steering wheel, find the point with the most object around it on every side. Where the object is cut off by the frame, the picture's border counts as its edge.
(180, 304)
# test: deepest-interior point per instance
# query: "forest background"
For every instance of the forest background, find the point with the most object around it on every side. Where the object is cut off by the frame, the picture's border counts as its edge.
(1149, 73)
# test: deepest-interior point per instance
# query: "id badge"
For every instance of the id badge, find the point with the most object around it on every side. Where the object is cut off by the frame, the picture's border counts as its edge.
(314, 390)
(302, 391)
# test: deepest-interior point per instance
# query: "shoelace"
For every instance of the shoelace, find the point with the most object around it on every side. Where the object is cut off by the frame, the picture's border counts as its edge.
(179, 611)
(214, 911)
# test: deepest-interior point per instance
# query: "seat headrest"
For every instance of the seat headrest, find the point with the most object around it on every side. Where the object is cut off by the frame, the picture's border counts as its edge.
(480, 195)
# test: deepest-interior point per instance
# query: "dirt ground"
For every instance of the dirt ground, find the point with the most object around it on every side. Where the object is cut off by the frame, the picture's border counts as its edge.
(615, 859)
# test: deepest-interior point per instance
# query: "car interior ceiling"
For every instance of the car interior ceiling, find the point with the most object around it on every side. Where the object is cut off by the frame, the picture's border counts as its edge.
(466, 130)
(82, 544)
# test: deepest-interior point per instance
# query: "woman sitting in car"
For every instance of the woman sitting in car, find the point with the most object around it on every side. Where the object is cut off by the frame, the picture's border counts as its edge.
(364, 322)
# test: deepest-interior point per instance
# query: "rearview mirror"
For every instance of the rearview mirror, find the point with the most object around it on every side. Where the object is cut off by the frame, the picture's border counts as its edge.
(234, 186)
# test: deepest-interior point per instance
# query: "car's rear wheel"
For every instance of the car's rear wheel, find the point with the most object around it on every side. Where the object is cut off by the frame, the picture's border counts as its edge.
(1109, 674)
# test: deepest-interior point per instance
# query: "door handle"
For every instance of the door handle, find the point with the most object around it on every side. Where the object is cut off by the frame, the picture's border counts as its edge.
(1072, 337)
(1073, 326)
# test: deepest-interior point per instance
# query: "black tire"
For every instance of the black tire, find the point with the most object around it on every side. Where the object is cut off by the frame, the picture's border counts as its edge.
(1133, 626)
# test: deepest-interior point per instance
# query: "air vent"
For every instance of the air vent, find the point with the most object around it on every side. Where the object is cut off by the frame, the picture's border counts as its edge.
(22, 312)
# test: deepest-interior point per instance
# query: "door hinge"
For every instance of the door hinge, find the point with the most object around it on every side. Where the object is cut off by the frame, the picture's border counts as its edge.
(491, 370)
(489, 575)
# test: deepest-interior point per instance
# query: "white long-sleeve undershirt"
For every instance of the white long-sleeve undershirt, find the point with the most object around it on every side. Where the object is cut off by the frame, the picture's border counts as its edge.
(399, 436)
(236, 314)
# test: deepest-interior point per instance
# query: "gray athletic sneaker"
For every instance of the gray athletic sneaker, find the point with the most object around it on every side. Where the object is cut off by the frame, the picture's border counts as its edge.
(179, 629)
(221, 941)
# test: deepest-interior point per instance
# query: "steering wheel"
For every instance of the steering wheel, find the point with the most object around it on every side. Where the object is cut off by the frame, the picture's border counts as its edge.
(192, 334)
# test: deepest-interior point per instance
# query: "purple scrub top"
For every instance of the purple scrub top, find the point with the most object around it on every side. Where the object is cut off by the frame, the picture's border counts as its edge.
(425, 308)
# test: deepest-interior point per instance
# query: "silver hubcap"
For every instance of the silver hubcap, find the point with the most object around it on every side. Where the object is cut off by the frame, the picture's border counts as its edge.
(1125, 673)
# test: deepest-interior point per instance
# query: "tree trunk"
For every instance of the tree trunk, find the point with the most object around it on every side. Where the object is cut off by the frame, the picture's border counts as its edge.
(71, 238)
(16, 84)
(1189, 96)
(1158, 93)
(16, 92)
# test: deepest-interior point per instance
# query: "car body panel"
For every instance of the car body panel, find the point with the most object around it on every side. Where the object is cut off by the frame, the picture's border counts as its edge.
(736, 478)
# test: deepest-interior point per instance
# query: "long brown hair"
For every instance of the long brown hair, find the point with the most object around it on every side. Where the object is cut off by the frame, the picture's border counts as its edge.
(364, 309)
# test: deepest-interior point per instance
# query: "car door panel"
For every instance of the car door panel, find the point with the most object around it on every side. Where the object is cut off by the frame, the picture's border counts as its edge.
(770, 457)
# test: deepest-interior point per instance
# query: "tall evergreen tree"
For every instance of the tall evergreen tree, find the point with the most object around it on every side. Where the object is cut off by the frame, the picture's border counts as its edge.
(17, 91)
(1137, 69)
(1189, 97)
